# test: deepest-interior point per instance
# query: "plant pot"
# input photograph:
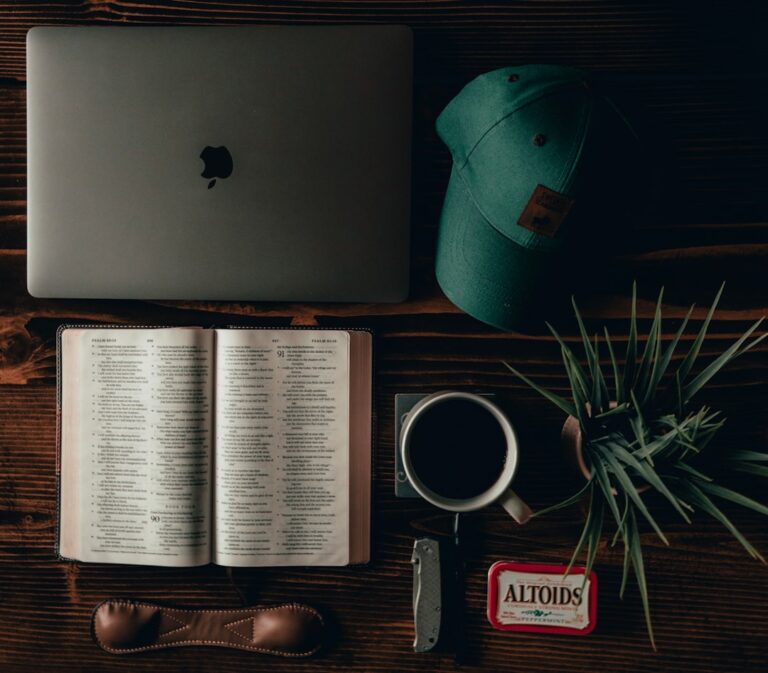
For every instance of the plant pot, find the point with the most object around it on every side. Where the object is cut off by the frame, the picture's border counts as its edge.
(570, 442)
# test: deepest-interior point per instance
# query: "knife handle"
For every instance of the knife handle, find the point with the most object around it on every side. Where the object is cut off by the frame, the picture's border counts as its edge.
(427, 594)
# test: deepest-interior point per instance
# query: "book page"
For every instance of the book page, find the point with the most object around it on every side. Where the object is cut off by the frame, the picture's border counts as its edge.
(282, 448)
(136, 445)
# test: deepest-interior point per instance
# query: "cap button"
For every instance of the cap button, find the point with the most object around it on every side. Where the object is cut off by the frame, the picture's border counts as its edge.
(513, 77)
(539, 139)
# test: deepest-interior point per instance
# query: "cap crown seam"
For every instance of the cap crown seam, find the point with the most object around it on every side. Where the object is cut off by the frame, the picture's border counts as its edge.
(563, 180)
(497, 229)
(529, 101)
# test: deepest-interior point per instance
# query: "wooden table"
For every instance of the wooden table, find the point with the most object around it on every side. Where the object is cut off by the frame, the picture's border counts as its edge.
(698, 71)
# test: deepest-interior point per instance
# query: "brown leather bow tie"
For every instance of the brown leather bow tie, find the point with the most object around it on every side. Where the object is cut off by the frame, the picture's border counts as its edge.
(122, 626)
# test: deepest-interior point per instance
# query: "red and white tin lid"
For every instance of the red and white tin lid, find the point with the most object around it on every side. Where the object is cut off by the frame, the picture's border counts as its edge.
(541, 598)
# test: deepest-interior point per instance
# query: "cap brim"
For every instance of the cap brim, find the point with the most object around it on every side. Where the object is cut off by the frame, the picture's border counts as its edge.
(486, 274)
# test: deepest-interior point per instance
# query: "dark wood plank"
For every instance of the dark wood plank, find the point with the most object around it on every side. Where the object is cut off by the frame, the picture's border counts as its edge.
(696, 74)
(619, 36)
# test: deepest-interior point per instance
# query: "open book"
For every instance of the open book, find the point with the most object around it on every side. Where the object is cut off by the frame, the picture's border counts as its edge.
(187, 446)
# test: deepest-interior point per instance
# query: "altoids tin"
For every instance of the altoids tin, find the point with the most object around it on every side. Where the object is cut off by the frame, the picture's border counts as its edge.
(541, 598)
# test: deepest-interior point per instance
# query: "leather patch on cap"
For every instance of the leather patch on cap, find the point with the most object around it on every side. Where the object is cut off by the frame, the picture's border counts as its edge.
(546, 211)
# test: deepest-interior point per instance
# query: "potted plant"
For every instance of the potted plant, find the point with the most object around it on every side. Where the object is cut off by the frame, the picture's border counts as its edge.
(637, 430)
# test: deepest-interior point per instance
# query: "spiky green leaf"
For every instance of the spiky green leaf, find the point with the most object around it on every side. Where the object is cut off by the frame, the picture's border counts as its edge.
(627, 560)
(593, 362)
(658, 444)
(639, 427)
(750, 468)
(701, 500)
(615, 411)
(565, 349)
(732, 352)
(580, 396)
(619, 386)
(631, 358)
(579, 384)
(693, 353)
(603, 480)
(620, 525)
(636, 553)
(599, 388)
(646, 472)
(571, 500)
(650, 358)
(666, 359)
(558, 401)
(595, 533)
(629, 488)
(584, 531)
(732, 496)
(746, 454)
(685, 467)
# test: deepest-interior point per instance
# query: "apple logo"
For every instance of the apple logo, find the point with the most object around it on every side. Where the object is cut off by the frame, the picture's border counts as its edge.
(218, 163)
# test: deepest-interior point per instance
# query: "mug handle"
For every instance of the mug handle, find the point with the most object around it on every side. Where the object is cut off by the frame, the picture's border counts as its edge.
(515, 506)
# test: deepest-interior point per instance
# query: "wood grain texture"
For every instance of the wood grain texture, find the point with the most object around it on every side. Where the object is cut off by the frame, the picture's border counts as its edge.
(695, 75)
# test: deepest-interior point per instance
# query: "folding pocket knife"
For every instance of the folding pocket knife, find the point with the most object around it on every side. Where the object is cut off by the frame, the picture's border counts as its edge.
(427, 593)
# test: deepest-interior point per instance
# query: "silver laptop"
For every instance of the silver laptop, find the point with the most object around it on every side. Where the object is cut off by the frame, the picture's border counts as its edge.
(239, 163)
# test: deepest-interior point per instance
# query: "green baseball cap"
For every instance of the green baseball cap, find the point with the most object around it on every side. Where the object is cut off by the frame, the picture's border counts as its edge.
(544, 168)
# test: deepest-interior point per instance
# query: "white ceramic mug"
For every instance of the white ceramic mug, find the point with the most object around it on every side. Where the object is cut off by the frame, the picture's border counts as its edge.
(500, 491)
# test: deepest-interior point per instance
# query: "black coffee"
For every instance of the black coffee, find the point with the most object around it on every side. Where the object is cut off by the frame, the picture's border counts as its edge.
(458, 449)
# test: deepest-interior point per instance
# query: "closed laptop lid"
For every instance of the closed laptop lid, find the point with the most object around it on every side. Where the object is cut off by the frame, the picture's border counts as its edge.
(250, 163)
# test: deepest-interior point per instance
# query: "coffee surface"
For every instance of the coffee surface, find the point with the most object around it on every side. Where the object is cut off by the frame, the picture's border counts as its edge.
(458, 449)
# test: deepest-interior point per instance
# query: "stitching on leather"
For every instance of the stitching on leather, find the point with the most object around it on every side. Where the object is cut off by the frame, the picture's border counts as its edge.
(143, 648)
(231, 625)
(178, 621)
